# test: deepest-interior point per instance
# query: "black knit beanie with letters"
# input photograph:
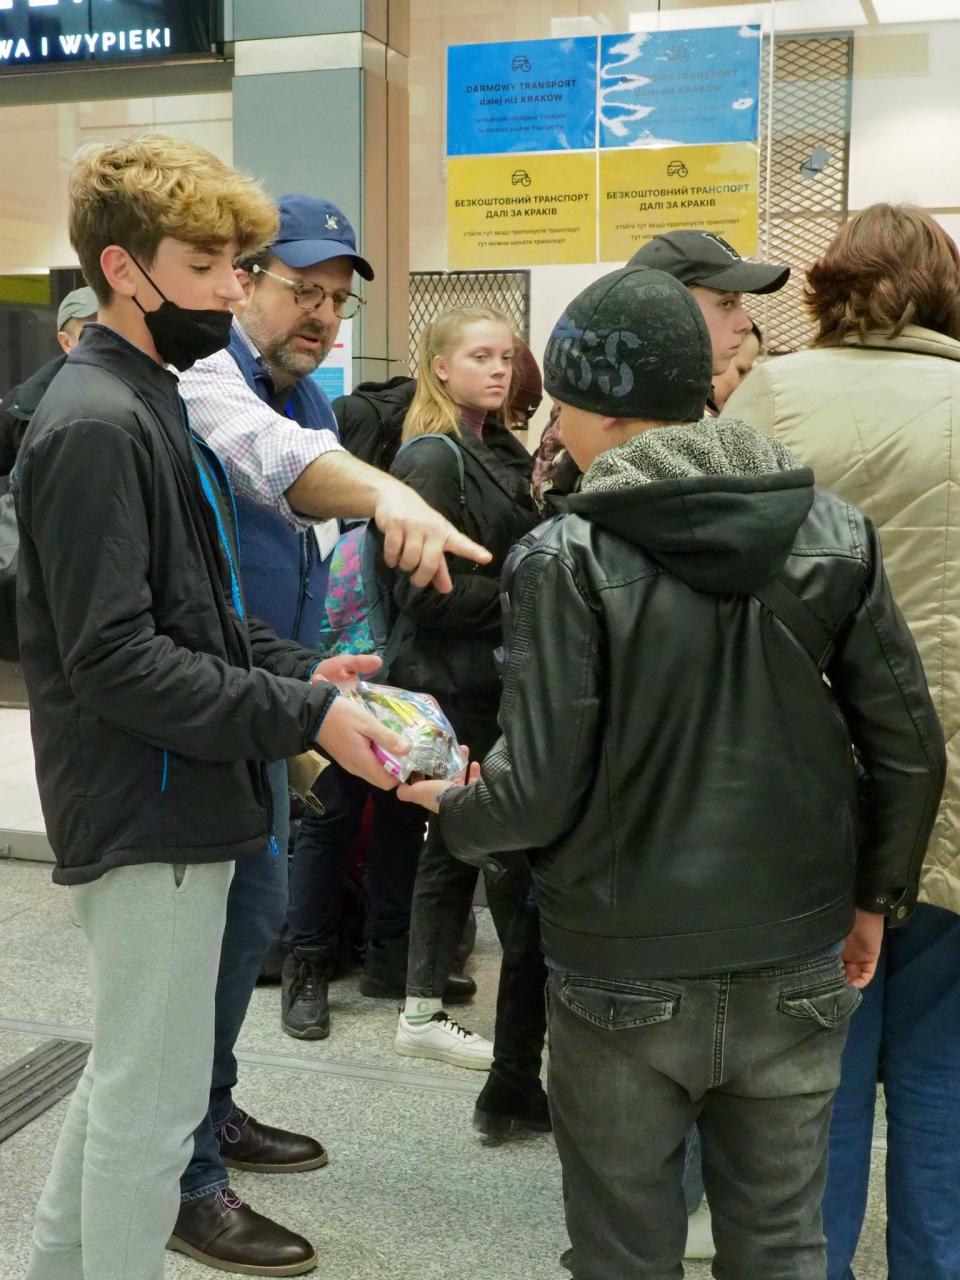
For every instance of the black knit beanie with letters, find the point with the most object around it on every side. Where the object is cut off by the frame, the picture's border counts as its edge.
(633, 344)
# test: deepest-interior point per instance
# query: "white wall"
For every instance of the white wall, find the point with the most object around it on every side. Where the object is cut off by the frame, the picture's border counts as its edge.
(40, 141)
(906, 117)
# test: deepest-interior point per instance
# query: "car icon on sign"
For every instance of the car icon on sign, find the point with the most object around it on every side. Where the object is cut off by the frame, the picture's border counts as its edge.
(520, 63)
(677, 169)
(520, 178)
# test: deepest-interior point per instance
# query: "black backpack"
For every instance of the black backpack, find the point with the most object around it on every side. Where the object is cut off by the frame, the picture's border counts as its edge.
(371, 419)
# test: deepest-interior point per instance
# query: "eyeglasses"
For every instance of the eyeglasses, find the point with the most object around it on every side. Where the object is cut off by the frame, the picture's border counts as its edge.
(310, 297)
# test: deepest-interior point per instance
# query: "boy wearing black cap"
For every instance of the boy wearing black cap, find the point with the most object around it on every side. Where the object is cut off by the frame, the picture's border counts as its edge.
(712, 877)
(717, 278)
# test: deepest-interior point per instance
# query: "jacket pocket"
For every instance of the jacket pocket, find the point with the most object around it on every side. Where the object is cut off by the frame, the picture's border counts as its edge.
(618, 1006)
(828, 1004)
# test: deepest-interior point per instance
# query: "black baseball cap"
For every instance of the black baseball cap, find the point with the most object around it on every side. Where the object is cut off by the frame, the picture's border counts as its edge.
(703, 258)
(313, 231)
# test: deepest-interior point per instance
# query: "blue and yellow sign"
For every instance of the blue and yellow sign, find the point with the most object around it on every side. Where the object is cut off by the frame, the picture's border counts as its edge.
(670, 88)
(647, 192)
(521, 211)
(521, 96)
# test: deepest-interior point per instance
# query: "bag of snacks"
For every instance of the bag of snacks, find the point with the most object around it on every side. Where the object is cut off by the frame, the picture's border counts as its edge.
(434, 750)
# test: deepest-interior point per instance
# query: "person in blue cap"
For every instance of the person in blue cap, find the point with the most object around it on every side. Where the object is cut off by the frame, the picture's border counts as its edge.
(272, 426)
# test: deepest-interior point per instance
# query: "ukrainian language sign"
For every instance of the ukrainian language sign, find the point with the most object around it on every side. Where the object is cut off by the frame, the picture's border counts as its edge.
(666, 88)
(662, 138)
(644, 193)
(515, 211)
(38, 33)
(522, 95)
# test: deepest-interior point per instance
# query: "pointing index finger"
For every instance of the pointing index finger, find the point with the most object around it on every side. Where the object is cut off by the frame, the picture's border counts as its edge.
(458, 544)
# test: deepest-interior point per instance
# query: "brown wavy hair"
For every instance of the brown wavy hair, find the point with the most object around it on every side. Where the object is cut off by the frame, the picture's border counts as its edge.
(889, 266)
(134, 193)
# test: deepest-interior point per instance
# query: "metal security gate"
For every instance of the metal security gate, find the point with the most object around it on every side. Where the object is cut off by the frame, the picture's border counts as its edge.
(808, 165)
(434, 291)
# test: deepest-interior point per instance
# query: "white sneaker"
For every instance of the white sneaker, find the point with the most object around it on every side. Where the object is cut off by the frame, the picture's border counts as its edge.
(443, 1040)
(700, 1235)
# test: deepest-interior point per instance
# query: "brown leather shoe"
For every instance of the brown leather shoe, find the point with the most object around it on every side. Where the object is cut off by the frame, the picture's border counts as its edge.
(223, 1232)
(245, 1143)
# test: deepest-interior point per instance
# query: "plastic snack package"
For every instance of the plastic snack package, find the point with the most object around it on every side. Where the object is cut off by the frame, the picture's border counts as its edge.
(434, 750)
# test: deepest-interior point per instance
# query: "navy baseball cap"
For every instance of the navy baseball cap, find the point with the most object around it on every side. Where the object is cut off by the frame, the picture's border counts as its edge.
(312, 231)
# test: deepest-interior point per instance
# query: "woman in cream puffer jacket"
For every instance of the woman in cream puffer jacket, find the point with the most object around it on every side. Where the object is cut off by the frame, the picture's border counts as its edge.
(874, 409)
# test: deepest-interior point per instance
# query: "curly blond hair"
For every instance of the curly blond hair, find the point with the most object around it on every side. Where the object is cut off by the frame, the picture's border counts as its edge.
(138, 192)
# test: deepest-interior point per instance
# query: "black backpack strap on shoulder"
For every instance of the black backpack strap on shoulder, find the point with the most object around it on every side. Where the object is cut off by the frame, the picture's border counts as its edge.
(797, 618)
(450, 443)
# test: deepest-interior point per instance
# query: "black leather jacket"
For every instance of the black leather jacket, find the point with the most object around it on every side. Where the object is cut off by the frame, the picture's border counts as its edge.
(673, 755)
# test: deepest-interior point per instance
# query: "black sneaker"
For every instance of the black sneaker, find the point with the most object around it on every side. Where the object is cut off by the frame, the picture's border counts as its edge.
(304, 1008)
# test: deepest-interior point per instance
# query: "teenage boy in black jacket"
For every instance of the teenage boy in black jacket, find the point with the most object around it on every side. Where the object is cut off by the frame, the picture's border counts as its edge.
(154, 698)
(679, 755)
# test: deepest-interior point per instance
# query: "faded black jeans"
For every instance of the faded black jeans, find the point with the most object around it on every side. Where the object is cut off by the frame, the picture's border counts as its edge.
(444, 886)
(754, 1058)
(442, 896)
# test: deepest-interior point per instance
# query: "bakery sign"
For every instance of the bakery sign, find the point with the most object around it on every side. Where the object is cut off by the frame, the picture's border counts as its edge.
(56, 33)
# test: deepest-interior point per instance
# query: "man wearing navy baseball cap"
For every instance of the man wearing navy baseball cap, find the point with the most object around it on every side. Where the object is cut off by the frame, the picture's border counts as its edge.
(272, 426)
(313, 231)
(318, 245)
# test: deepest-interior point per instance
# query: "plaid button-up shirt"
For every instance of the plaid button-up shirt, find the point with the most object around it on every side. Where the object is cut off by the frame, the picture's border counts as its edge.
(262, 451)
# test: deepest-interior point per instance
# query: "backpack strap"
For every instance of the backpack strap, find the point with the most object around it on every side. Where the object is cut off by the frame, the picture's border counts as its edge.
(451, 444)
(797, 617)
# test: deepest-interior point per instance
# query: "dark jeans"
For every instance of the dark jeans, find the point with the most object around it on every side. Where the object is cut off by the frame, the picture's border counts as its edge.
(521, 1024)
(755, 1058)
(441, 903)
(321, 861)
(907, 1033)
(256, 907)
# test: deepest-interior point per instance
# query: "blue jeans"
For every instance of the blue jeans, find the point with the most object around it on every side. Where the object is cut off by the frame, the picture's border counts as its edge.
(906, 1034)
(693, 1171)
(754, 1058)
(321, 861)
(256, 908)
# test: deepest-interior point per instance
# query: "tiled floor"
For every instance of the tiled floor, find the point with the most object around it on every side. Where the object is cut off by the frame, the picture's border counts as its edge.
(411, 1192)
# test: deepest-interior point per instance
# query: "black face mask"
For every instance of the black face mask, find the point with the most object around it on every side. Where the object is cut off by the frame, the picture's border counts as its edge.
(183, 335)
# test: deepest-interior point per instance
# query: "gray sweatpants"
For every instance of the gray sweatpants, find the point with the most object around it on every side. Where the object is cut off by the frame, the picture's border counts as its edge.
(112, 1197)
